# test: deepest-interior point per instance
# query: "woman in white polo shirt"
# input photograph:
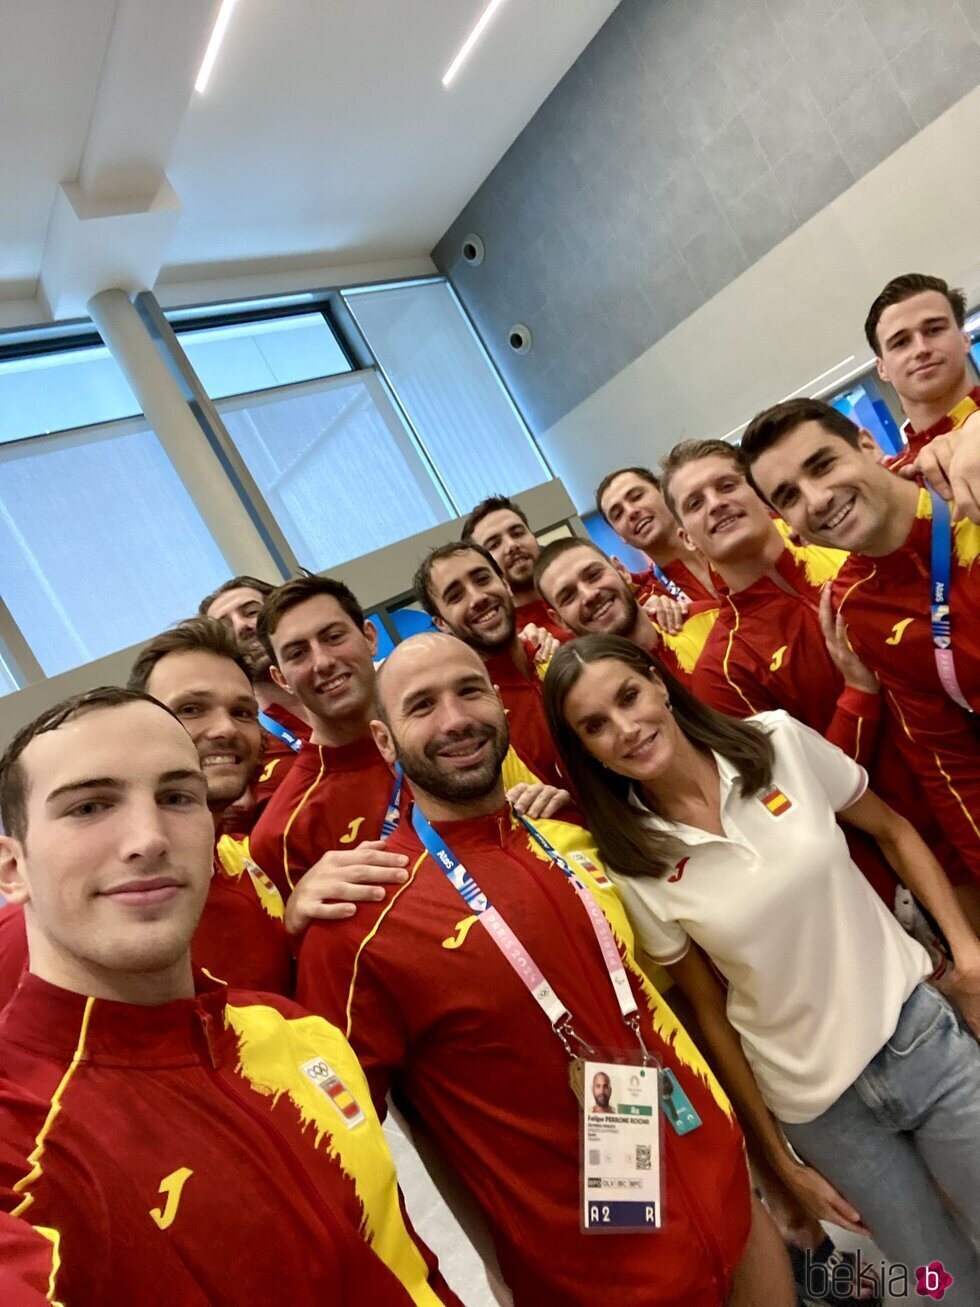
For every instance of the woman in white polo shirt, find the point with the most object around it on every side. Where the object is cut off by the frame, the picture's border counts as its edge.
(724, 833)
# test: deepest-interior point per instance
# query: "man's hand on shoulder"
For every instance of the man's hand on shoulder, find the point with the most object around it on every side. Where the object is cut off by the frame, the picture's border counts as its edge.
(541, 641)
(537, 801)
(669, 614)
(333, 887)
(951, 463)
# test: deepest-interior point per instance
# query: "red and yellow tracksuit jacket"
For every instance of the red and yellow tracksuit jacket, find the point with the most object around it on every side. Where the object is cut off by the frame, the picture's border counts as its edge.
(538, 613)
(647, 583)
(523, 703)
(886, 605)
(434, 1011)
(333, 798)
(241, 938)
(220, 1149)
(767, 651)
(916, 441)
(277, 756)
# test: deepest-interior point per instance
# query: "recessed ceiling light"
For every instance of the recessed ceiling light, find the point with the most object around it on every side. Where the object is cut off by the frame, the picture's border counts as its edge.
(471, 40)
(214, 44)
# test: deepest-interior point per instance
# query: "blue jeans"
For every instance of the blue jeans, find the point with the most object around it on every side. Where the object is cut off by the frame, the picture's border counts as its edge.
(908, 1128)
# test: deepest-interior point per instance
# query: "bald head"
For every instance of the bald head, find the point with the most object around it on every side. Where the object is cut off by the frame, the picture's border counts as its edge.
(417, 653)
(441, 718)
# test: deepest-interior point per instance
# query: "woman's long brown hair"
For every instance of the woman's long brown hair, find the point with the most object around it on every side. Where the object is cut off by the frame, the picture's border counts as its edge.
(625, 841)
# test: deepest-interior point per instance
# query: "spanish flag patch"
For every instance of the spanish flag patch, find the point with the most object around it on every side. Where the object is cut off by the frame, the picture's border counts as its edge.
(776, 802)
(330, 1084)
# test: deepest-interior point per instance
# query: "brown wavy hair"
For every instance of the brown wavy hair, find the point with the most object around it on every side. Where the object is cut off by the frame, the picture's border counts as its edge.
(627, 844)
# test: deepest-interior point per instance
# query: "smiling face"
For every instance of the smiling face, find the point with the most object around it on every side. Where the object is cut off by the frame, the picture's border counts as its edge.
(511, 543)
(589, 595)
(445, 722)
(472, 601)
(719, 510)
(638, 513)
(829, 492)
(214, 702)
(116, 858)
(623, 719)
(326, 660)
(922, 351)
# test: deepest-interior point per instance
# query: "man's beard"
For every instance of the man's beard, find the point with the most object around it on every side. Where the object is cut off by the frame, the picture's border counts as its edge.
(423, 770)
(627, 623)
(488, 644)
(631, 612)
(258, 661)
(519, 576)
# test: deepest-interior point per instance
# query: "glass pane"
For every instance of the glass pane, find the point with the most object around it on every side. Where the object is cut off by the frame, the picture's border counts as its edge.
(7, 682)
(338, 478)
(60, 391)
(609, 542)
(101, 544)
(450, 391)
(249, 356)
(411, 620)
(872, 414)
(385, 642)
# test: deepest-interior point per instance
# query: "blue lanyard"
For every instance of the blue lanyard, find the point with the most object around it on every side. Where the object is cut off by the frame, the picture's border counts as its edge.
(941, 566)
(392, 814)
(280, 732)
(672, 588)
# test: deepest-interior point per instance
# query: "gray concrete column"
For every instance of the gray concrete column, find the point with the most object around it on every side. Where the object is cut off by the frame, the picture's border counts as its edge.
(168, 413)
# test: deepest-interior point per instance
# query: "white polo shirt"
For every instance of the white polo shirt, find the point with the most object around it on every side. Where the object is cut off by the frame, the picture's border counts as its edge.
(817, 968)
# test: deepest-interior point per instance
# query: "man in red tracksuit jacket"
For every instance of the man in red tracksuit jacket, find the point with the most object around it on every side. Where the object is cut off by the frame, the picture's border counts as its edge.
(339, 790)
(462, 588)
(595, 597)
(824, 474)
(165, 1140)
(631, 501)
(436, 1013)
(341, 795)
(769, 647)
(500, 526)
(198, 671)
(238, 603)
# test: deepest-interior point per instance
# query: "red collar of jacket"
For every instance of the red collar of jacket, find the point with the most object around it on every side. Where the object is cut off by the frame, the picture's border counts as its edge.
(790, 569)
(503, 670)
(44, 1018)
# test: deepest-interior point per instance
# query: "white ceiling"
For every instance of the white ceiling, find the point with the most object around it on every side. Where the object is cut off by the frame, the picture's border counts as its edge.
(325, 133)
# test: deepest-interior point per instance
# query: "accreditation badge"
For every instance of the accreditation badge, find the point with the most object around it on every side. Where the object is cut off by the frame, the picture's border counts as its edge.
(621, 1119)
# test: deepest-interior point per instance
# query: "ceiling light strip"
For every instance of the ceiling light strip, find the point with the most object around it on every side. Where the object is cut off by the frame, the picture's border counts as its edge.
(214, 44)
(806, 386)
(471, 40)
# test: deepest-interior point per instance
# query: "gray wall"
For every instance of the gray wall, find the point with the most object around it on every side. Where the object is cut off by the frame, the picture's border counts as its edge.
(689, 138)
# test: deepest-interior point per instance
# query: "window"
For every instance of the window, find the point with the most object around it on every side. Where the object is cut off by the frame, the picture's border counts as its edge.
(7, 682)
(247, 356)
(451, 394)
(872, 413)
(336, 466)
(102, 545)
(41, 393)
(602, 534)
